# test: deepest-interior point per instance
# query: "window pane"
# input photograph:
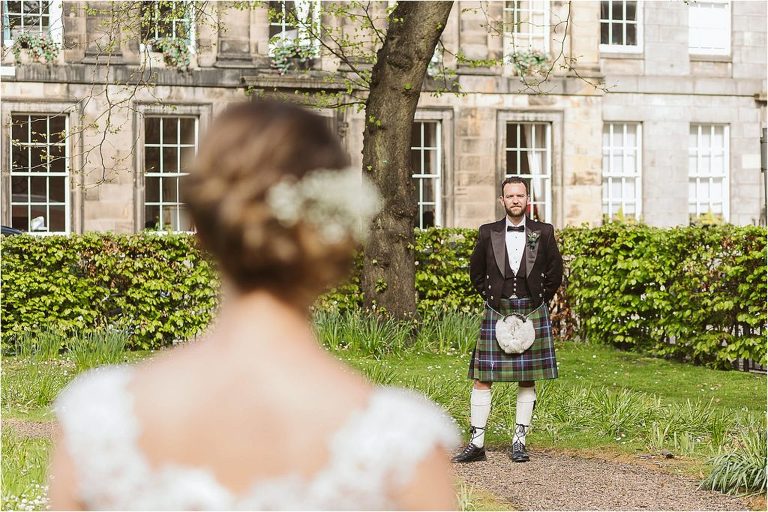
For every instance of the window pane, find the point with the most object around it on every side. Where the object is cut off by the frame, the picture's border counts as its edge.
(604, 10)
(168, 216)
(152, 217)
(702, 192)
(617, 36)
(185, 221)
(170, 131)
(20, 217)
(152, 130)
(57, 160)
(169, 190)
(20, 189)
(152, 189)
(512, 162)
(706, 139)
(20, 159)
(512, 131)
(523, 141)
(187, 157)
(717, 140)
(718, 165)
(38, 218)
(38, 189)
(58, 127)
(705, 169)
(39, 129)
(717, 191)
(605, 33)
(430, 135)
(170, 160)
(151, 160)
(57, 218)
(20, 128)
(57, 189)
(631, 11)
(430, 162)
(536, 162)
(39, 160)
(618, 10)
(188, 130)
(628, 192)
(428, 216)
(631, 35)
(428, 190)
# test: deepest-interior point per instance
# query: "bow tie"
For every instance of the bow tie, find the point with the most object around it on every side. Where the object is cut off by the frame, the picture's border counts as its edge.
(520, 229)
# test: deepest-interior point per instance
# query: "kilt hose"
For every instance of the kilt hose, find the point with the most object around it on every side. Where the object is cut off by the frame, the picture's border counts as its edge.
(491, 364)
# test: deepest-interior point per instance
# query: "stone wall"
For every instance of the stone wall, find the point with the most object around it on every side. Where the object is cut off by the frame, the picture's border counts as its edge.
(661, 87)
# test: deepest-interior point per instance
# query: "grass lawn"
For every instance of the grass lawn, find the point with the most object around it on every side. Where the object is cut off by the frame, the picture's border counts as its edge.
(606, 402)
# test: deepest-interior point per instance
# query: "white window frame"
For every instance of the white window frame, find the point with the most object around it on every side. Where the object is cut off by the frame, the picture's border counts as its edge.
(516, 41)
(67, 175)
(436, 177)
(695, 6)
(304, 8)
(55, 23)
(626, 154)
(709, 175)
(624, 48)
(161, 175)
(534, 199)
(146, 46)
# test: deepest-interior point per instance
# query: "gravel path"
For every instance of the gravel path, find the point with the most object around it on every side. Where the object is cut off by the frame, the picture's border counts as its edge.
(30, 428)
(553, 481)
(556, 481)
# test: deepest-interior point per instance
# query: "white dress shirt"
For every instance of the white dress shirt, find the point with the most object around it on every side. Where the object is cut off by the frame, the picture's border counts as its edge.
(515, 243)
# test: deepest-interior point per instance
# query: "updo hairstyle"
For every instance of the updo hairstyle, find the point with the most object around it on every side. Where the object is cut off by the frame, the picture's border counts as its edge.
(248, 149)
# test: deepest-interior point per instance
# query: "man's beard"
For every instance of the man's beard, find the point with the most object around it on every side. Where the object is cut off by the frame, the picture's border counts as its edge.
(522, 210)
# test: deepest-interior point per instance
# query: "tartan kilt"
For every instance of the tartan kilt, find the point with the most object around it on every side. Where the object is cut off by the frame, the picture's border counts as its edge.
(491, 364)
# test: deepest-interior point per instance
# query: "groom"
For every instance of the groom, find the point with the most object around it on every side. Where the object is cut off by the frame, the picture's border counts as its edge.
(517, 268)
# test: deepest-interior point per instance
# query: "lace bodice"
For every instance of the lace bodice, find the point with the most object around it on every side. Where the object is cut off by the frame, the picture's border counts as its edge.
(378, 447)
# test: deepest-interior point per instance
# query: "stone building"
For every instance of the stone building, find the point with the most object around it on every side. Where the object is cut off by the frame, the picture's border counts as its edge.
(97, 139)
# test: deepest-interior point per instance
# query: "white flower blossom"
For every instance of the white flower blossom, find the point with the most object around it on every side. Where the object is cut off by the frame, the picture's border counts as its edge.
(337, 202)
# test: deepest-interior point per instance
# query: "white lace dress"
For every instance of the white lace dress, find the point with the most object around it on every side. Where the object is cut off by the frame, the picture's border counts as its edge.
(376, 447)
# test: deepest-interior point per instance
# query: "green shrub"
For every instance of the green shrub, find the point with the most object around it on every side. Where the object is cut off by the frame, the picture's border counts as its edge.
(157, 288)
(702, 288)
(742, 469)
(631, 286)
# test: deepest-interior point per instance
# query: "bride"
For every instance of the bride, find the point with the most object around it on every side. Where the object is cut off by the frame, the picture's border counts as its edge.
(256, 415)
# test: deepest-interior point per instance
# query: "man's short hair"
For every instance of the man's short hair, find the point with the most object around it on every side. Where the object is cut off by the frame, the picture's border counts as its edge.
(514, 179)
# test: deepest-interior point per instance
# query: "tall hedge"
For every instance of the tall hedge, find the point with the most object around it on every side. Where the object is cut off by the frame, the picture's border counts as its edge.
(158, 288)
(696, 293)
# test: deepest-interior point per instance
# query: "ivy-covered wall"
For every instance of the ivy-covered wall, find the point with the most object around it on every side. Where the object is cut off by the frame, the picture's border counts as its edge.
(694, 293)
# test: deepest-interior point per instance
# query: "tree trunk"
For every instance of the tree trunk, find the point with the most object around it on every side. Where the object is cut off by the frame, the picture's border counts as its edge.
(388, 269)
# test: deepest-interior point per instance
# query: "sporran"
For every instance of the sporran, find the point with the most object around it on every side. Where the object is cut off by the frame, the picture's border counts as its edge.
(515, 333)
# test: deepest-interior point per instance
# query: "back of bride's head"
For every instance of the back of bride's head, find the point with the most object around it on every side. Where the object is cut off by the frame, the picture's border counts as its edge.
(267, 200)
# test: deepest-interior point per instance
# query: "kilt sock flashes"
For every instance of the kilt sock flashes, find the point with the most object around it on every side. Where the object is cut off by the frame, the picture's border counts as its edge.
(526, 398)
(480, 408)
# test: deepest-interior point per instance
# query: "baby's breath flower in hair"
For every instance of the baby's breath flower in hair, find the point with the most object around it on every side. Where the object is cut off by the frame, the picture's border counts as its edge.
(337, 202)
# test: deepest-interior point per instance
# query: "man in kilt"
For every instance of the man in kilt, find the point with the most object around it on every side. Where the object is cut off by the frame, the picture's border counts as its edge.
(517, 268)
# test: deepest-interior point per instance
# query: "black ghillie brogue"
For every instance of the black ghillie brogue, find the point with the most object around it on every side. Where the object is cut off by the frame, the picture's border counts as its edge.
(470, 453)
(518, 453)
